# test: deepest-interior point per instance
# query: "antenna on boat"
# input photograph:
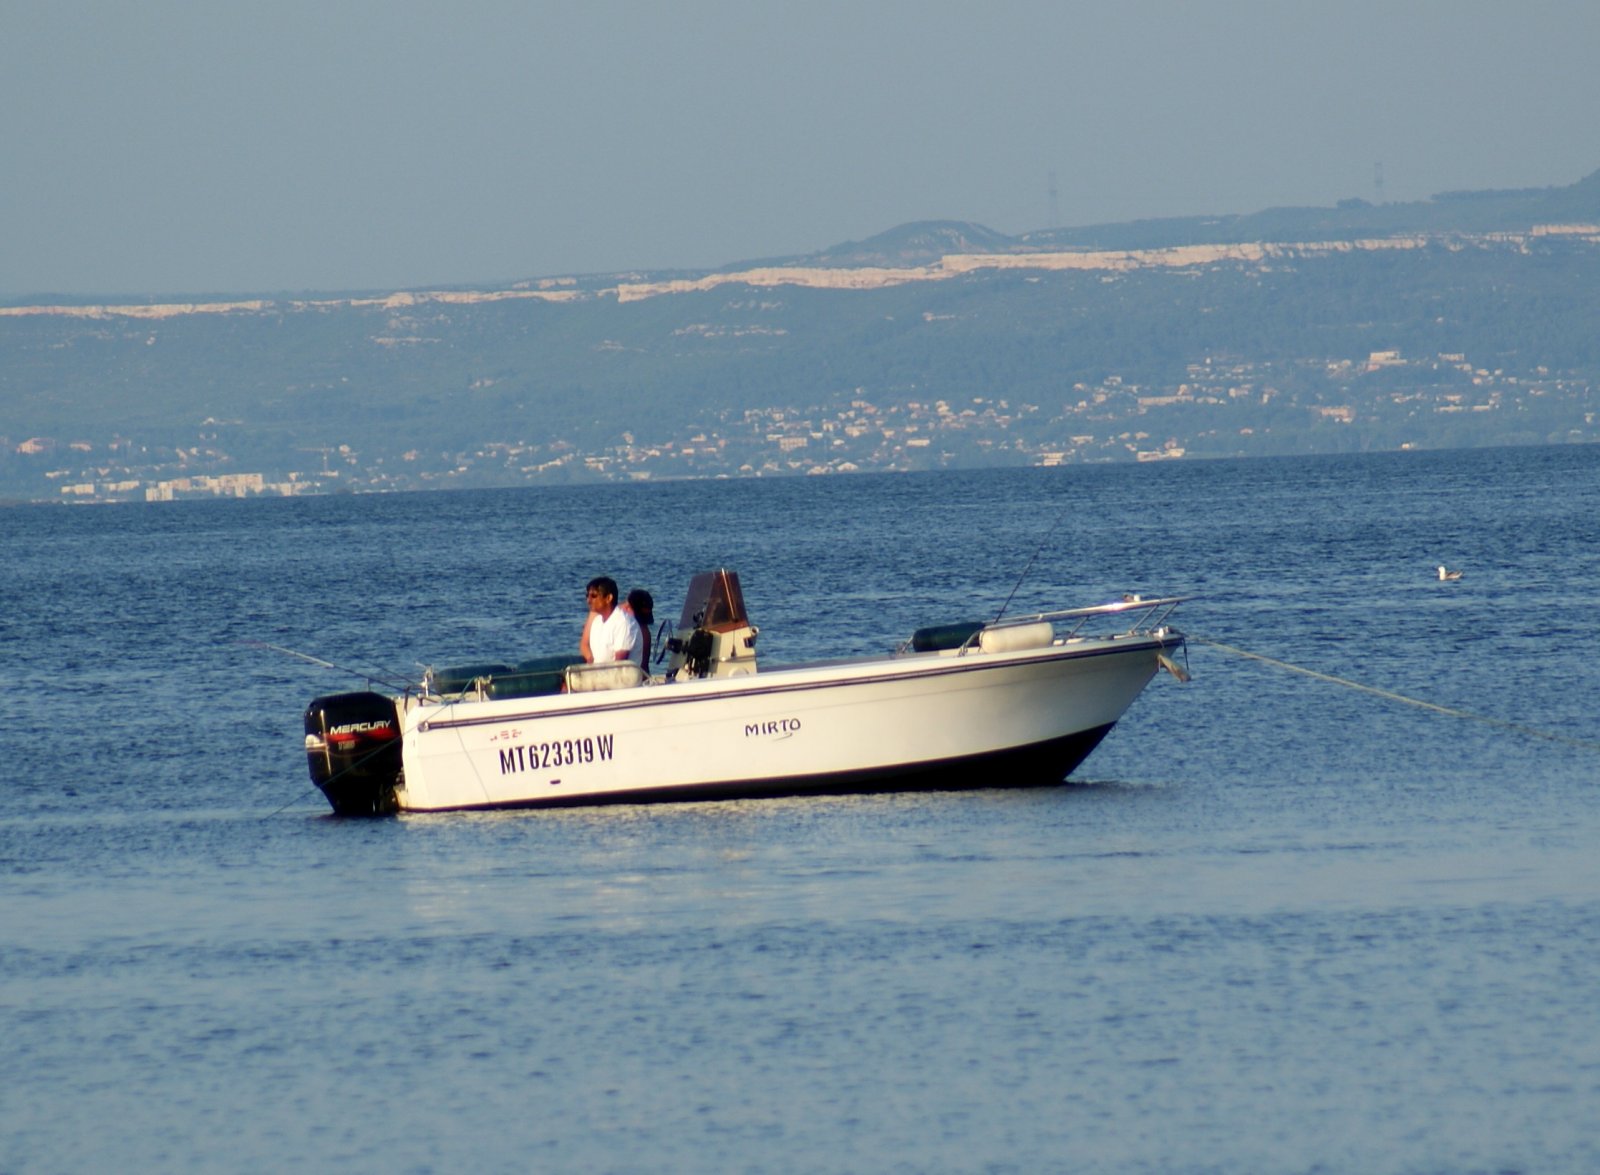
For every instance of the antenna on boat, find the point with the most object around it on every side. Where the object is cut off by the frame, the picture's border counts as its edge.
(1055, 522)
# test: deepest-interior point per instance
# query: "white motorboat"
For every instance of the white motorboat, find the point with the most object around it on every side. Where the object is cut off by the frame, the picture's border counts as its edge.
(1015, 701)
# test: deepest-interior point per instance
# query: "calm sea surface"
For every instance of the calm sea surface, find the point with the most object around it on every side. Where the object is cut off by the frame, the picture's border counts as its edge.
(1274, 924)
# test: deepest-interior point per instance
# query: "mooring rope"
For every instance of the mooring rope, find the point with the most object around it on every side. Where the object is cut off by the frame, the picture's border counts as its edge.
(305, 795)
(1532, 731)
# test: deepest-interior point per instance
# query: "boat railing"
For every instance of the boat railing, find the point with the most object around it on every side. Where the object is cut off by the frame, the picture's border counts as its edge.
(1133, 615)
(1147, 614)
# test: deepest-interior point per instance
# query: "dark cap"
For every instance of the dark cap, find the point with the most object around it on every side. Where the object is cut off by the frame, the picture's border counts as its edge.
(643, 606)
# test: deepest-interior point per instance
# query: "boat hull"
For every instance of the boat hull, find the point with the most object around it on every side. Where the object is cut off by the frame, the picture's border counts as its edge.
(921, 721)
(1043, 765)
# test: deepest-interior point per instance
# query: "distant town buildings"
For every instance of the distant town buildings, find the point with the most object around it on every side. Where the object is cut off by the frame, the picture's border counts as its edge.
(1221, 407)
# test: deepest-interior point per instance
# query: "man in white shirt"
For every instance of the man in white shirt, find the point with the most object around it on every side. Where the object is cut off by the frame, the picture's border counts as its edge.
(611, 633)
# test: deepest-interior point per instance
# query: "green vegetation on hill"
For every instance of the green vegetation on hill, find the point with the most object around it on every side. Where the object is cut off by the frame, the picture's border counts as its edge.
(420, 383)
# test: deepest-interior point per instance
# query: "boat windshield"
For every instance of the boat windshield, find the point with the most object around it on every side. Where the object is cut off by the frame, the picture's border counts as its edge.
(714, 602)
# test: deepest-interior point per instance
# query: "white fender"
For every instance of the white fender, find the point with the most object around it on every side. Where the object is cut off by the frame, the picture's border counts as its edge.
(1012, 637)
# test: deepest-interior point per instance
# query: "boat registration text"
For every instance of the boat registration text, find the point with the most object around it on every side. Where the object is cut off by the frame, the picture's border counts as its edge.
(564, 752)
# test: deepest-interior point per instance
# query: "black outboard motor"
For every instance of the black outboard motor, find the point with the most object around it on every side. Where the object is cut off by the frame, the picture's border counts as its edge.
(353, 751)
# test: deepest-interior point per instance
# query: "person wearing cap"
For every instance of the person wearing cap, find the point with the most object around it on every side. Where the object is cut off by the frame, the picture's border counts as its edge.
(643, 608)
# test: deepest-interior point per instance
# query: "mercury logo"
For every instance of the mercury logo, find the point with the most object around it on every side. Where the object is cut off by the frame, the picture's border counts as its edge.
(350, 728)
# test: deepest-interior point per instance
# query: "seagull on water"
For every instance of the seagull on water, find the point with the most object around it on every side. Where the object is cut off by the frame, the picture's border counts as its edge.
(1445, 574)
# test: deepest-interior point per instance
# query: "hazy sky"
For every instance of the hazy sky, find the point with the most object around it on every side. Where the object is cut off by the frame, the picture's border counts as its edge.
(165, 146)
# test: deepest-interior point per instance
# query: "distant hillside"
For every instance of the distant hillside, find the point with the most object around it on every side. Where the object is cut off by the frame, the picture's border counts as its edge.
(1515, 210)
(1100, 334)
(919, 243)
(1520, 210)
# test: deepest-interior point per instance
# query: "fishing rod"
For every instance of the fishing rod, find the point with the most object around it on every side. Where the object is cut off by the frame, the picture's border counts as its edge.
(1049, 532)
(385, 678)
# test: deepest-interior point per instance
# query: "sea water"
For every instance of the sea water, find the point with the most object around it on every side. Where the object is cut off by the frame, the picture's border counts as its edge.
(1275, 923)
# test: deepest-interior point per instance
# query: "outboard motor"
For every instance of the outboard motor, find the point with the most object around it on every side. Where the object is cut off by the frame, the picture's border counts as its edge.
(715, 638)
(353, 751)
